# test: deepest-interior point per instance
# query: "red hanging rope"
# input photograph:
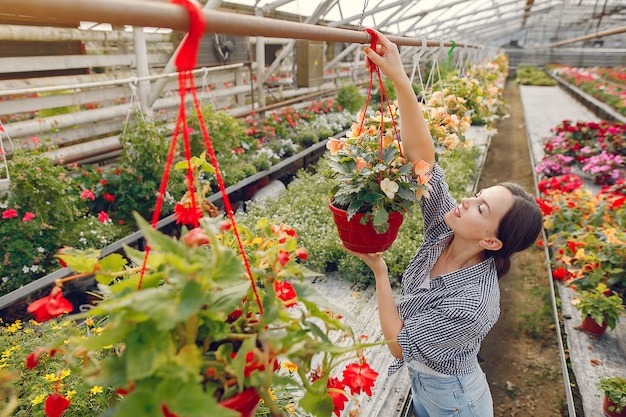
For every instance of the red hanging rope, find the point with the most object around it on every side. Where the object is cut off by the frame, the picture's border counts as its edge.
(385, 104)
(186, 61)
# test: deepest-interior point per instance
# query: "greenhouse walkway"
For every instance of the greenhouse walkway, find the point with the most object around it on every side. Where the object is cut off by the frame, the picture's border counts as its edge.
(591, 358)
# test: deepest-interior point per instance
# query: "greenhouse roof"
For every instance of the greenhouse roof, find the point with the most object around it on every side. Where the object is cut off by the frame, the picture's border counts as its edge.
(522, 23)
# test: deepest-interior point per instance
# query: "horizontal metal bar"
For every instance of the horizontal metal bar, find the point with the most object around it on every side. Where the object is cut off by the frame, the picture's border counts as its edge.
(154, 14)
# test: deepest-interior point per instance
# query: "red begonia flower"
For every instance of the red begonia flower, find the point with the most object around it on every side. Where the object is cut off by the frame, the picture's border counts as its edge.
(55, 405)
(196, 237)
(285, 291)
(187, 215)
(283, 257)
(360, 377)
(50, 306)
(108, 197)
(28, 216)
(301, 253)
(339, 398)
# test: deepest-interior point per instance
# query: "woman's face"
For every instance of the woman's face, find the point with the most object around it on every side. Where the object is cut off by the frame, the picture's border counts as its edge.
(478, 217)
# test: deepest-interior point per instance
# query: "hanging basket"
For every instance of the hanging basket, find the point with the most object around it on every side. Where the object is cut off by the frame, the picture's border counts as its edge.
(363, 238)
(245, 402)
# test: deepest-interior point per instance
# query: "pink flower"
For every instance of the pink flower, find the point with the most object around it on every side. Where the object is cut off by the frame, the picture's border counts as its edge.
(28, 216)
(9, 214)
(85, 194)
(103, 217)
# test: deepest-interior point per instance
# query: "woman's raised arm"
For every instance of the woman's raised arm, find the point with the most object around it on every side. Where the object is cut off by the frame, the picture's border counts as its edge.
(417, 144)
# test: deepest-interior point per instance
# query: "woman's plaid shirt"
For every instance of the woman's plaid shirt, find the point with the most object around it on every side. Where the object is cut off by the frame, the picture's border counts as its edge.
(445, 323)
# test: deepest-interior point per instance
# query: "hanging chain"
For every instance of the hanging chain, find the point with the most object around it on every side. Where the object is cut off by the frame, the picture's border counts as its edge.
(365, 2)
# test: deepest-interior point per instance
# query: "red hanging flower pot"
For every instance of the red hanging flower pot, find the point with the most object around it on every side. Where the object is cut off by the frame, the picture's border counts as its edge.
(590, 326)
(245, 402)
(363, 238)
(608, 403)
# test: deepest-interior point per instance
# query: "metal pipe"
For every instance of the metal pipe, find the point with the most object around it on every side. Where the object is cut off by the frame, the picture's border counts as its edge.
(597, 35)
(154, 14)
(113, 82)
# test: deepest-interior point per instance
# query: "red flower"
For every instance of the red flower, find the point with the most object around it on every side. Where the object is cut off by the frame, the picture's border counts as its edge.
(196, 237)
(33, 358)
(617, 202)
(572, 245)
(51, 306)
(284, 290)
(167, 412)
(103, 217)
(283, 257)
(301, 253)
(28, 216)
(540, 243)
(9, 214)
(126, 390)
(55, 405)
(187, 215)
(108, 197)
(360, 376)
(339, 398)
(560, 274)
(87, 194)
(251, 365)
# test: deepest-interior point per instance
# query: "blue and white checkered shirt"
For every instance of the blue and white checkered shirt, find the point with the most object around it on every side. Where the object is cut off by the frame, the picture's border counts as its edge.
(445, 322)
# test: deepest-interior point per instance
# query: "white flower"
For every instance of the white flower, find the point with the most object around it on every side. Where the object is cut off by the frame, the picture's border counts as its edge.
(389, 187)
(40, 249)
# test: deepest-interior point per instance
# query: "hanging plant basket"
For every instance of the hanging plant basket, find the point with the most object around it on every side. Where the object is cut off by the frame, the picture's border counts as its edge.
(245, 402)
(363, 238)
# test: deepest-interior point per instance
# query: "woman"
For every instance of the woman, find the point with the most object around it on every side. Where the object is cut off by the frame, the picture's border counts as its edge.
(450, 296)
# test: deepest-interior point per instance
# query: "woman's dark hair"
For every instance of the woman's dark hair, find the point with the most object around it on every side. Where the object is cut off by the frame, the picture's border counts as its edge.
(519, 227)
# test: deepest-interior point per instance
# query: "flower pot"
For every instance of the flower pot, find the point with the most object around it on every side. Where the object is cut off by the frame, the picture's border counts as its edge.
(245, 402)
(608, 403)
(590, 326)
(363, 238)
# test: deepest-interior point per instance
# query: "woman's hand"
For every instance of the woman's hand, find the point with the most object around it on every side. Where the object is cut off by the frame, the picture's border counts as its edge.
(374, 260)
(387, 58)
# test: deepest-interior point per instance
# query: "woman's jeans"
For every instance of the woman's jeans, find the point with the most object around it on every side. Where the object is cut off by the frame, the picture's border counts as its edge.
(458, 395)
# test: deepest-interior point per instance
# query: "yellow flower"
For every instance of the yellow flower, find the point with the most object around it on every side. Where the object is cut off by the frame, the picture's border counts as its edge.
(70, 394)
(95, 390)
(51, 378)
(38, 399)
(290, 408)
(290, 366)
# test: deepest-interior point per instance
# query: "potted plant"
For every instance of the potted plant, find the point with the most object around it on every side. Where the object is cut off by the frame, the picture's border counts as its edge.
(211, 321)
(599, 309)
(614, 388)
(373, 182)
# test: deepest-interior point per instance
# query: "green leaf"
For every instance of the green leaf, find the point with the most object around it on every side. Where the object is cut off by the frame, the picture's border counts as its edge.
(227, 299)
(147, 350)
(111, 263)
(80, 261)
(190, 400)
(318, 404)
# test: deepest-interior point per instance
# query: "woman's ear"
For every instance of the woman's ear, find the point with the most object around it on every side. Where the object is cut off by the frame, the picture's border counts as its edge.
(492, 243)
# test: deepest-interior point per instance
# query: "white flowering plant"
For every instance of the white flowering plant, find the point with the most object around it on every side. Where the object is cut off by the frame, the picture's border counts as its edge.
(371, 175)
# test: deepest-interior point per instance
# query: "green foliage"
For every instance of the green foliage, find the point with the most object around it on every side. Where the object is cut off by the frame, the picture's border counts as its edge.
(44, 190)
(137, 178)
(614, 387)
(600, 306)
(350, 98)
(533, 75)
